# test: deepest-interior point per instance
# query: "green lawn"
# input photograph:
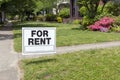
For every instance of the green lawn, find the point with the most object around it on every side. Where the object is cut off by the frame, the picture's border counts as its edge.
(102, 64)
(67, 34)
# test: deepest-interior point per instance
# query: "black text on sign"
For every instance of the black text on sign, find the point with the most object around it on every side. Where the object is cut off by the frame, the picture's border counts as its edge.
(43, 38)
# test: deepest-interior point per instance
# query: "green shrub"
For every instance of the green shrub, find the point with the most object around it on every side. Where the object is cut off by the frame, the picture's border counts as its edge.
(64, 13)
(87, 21)
(113, 8)
(117, 28)
(51, 17)
(83, 11)
(99, 16)
(116, 24)
(76, 21)
(59, 19)
(10, 17)
(99, 9)
(117, 21)
(40, 18)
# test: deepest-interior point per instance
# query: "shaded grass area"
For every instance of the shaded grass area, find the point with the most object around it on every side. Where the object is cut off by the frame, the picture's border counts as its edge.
(67, 34)
(103, 64)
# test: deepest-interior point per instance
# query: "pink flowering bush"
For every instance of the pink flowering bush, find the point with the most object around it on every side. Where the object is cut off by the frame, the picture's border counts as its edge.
(102, 25)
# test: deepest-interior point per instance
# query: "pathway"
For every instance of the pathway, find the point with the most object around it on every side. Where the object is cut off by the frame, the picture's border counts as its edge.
(8, 59)
(69, 49)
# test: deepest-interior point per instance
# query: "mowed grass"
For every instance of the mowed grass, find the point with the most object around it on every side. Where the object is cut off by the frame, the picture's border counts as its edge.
(67, 34)
(103, 64)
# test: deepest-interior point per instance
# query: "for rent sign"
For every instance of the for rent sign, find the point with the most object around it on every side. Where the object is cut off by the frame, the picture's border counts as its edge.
(38, 40)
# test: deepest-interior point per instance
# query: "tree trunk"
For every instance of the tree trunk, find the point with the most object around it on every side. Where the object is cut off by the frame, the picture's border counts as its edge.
(3, 16)
(0, 17)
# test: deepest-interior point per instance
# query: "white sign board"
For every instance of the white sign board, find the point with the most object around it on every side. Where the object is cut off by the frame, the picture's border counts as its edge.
(38, 40)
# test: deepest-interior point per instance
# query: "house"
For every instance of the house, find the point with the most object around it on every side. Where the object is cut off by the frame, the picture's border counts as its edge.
(61, 4)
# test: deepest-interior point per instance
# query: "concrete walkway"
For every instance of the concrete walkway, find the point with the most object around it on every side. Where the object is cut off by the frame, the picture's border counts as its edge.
(69, 49)
(8, 59)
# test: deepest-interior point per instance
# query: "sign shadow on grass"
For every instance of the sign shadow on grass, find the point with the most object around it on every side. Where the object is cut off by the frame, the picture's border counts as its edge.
(40, 61)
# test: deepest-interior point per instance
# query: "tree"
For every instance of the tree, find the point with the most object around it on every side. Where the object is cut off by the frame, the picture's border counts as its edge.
(39, 6)
(92, 6)
(49, 5)
(2, 10)
(25, 7)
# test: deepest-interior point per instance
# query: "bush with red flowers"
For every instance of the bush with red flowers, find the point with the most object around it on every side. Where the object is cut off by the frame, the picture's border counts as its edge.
(102, 25)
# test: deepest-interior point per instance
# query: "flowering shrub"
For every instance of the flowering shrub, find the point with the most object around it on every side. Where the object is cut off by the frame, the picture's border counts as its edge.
(102, 25)
(106, 21)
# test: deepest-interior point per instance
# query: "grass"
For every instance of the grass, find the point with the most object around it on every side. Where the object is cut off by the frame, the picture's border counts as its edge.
(67, 34)
(103, 64)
